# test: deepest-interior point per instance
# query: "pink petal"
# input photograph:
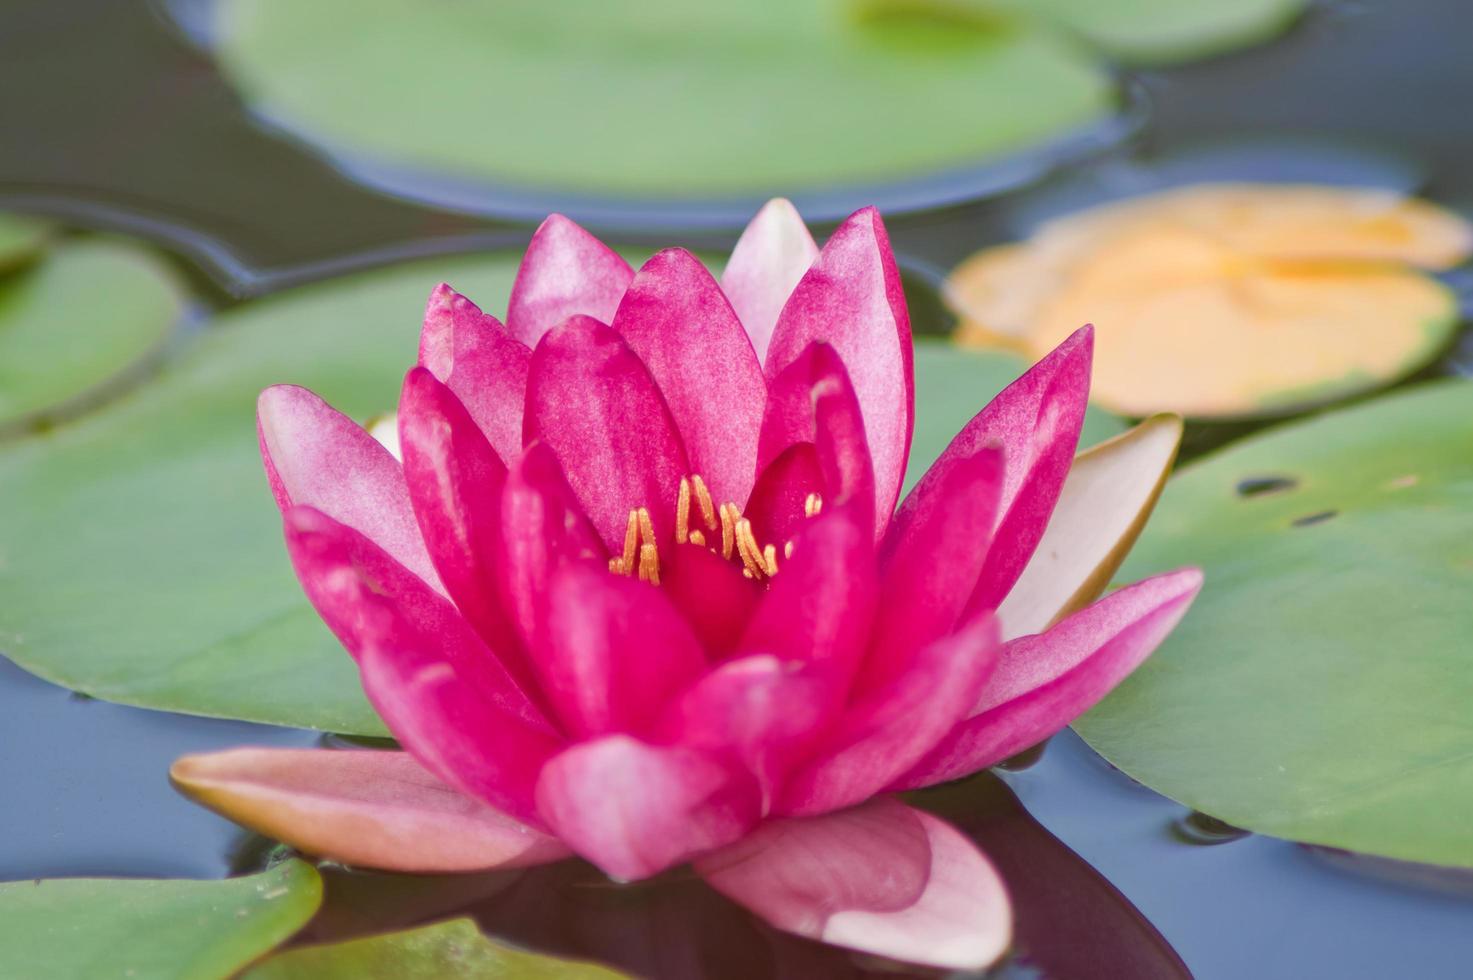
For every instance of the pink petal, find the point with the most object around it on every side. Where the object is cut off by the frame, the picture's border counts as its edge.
(1045, 681)
(565, 272)
(542, 527)
(762, 711)
(481, 362)
(930, 560)
(884, 732)
(882, 878)
(1036, 421)
(455, 480)
(442, 693)
(635, 809)
(765, 267)
(369, 809)
(819, 606)
(851, 298)
(613, 651)
(591, 400)
(812, 402)
(1103, 506)
(318, 457)
(778, 508)
(712, 595)
(678, 321)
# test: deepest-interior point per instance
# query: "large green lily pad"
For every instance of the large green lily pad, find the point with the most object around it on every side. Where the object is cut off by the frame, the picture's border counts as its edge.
(663, 99)
(453, 950)
(954, 383)
(65, 929)
(1165, 31)
(1321, 689)
(21, 237)
(141, 558)
(84, 315)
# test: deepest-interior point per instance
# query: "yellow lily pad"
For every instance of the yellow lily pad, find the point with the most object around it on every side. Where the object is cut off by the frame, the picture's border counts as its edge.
(1227, 300)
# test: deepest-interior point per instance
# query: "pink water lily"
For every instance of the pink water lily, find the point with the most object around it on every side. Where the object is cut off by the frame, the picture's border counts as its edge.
(639, 589)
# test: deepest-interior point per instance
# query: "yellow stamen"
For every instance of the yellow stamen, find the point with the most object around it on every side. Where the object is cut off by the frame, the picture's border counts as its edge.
(788, 550)
(646, 528)
(703, 501)
(812, 504)
(682, 512)
(698, 539)
(616, 565)
(746, 543)
(631, 543)
(729, 515)
(649, 565)
(769, 559)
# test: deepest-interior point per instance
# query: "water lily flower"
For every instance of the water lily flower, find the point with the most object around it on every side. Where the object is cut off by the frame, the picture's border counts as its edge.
(640, 591)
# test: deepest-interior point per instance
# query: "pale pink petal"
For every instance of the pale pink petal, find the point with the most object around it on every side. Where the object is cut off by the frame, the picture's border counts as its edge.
(885, 731)
(811, 402)
(542, 526)
(882, 878)
(765, 267)
(613, 651)
(455, 480)
(565, 272)
(1036, 420)
(635, 809)
(593, 402)
(442, 693)
(481, 362)
(930, 560)
(1045, 681)
(318, 457)
(678, 321)
(851, 298)
(368, 809)
(1103, 506)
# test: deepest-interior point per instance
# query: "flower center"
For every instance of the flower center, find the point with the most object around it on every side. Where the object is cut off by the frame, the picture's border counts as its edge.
(721, 530)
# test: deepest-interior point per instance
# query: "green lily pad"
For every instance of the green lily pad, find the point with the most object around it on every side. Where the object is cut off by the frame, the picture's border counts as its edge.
(21, 237)
(141, 558)
(952, 385)
(669, 100)
(454, 950)
(83, 316)
(67, 928)
(1320, 688)
(1166, 31)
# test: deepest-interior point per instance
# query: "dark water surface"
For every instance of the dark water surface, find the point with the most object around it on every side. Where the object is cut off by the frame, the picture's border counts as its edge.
(111, 118)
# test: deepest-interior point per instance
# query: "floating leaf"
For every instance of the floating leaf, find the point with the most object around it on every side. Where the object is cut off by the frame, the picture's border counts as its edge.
(953, 384)
(1225, 300)
(1319, 689)
(142, 555)
(88, 312)
(454, 949)
(21, 238)
(672, 100)
(67, 928)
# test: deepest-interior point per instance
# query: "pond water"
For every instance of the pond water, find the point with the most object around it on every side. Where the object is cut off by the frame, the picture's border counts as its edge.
(110, 118)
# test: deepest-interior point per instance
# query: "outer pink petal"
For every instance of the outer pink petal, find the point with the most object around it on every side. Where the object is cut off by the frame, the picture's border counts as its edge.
(765, 267)
(442, 693)
(812, 402)
(455, 480)
(851, 298)
(370, 809)
(1045, 681)
(1036, 420)
(883, 878)
(613, 651)
(565, 272)
(678, 321)
(593, 402)
(481, 362)
(886, 731)
(635, 809)
(318, 457)
(542, 526)
(930, 560)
